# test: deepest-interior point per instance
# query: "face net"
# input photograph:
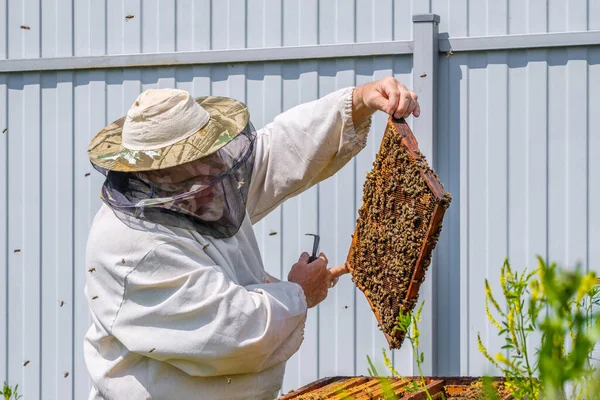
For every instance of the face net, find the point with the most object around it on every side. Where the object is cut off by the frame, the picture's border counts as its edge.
(207, 195)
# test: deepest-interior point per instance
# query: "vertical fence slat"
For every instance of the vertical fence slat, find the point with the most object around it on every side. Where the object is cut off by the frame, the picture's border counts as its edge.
(557, 157)
(517, 162)
(477, 174)
(447, 286)
(291, 240)
(96, 24)
(255, 22)
(4, 33)
(116, 20)
(364, 25)
(576, 153)
(4, 228)
(594, 163)
(149, 25)
(31, 203)
(425, 85)
(496, 191)
(15, 264)
(364, 319)
(184, 25)
(65, 172)
(537, 161)
(166, 26)
(49, 224)
(336, 218)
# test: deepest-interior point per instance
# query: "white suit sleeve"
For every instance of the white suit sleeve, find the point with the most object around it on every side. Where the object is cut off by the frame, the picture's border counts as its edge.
(302, 147)
(180, 308)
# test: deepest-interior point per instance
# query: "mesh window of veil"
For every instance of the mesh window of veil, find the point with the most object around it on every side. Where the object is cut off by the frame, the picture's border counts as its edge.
(207, 195)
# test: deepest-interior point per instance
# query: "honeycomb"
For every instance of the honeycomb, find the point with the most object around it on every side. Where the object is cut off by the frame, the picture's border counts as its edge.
(398, 226)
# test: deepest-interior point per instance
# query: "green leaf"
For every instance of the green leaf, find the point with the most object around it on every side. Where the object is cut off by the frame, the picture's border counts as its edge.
(372, 370)
(422, 358)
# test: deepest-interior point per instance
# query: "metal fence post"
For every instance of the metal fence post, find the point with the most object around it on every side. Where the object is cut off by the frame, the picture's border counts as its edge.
(425, 80)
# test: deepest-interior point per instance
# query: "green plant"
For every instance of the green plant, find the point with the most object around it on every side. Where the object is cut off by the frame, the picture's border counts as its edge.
(567, 298)
(10, 393)
(407, 323)
(515, 325)
(570, 330)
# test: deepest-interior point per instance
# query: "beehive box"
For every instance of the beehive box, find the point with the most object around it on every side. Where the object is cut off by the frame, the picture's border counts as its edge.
(379, 388)
(397, 229)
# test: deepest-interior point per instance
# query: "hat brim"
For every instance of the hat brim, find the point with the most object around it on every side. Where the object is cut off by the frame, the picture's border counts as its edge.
(228, 117)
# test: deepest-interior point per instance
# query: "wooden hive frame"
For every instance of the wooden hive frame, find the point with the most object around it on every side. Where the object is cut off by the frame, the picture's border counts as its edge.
(368, 387)
(437, 201)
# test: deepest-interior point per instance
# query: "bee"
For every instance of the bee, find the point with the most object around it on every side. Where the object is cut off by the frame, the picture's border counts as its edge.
(228, 380)
(423, 75)
(128, 17)
(4, 130)
(25, 363)
(272, 233)
(66, 374)
(87, 174)
(62, 303)
(449, 53)
(92, 270)
(94, 298)
(123, 261)
(25, 27)
(152, 349)
(17, 250)
(205, 246)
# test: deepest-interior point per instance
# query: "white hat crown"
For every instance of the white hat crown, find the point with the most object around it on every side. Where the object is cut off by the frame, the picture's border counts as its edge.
(161, 117)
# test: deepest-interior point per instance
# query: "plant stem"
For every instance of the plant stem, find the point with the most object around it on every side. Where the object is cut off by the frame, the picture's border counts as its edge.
(526, 356)
(416, 354)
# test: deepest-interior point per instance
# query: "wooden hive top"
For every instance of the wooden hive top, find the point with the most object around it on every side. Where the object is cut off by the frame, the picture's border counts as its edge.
(379, 388)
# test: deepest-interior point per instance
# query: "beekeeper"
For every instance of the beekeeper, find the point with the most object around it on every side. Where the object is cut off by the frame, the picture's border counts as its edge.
(181, 305)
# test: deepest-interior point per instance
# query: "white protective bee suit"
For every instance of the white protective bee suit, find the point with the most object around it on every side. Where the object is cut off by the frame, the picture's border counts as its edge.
(174, 318)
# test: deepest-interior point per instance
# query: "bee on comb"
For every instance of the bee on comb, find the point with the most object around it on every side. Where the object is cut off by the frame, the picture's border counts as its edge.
(398, 226)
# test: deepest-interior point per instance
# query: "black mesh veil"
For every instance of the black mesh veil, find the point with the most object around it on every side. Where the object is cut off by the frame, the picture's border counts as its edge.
(207, 195)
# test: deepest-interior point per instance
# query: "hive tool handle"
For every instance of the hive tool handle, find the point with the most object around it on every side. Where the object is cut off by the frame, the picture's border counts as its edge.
(315, 247)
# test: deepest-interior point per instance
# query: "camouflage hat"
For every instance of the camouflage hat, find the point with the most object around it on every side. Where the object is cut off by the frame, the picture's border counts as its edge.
(165, 128)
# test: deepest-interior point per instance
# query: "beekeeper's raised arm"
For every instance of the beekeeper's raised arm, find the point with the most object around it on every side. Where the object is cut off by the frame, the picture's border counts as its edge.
(312, 141)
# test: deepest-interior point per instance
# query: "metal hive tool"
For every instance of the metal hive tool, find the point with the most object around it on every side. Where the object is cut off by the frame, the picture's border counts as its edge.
(397, 229)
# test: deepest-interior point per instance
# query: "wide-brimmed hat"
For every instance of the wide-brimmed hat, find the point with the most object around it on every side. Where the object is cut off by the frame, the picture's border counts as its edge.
(165, 128)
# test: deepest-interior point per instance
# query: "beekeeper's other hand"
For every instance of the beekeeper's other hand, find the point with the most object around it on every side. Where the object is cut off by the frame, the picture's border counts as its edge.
(314, 278)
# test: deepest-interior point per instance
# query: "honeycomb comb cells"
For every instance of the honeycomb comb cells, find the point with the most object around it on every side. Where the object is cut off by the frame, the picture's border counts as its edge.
(397, 229)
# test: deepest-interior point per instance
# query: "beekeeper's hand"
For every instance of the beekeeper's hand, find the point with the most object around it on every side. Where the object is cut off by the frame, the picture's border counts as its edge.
(387, 95)
(314, 278)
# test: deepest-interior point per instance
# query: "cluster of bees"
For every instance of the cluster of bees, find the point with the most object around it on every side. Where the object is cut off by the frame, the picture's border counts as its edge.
(391, 231)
